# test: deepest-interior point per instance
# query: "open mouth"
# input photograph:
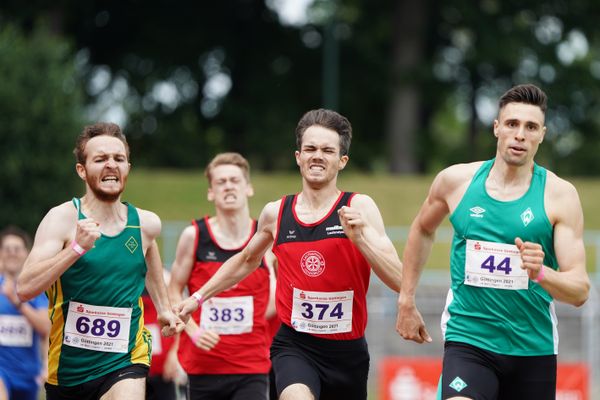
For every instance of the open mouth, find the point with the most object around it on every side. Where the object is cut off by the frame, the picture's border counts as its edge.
(517, 149)
(316, 167)
(110, 178)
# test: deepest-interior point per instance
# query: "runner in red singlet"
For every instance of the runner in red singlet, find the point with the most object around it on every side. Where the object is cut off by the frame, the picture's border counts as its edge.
(326, 242)
(225, 348)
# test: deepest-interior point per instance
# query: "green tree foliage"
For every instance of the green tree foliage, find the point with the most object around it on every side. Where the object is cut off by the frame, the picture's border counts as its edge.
(40, 106)
(418, 79)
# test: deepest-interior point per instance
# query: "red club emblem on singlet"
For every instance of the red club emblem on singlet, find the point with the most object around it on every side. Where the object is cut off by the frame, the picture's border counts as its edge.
(312, 263)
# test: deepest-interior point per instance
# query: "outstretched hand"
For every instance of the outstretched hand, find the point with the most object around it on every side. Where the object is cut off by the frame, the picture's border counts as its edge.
(532, 257)
(185, 309)
(205, 339)
(170, 324)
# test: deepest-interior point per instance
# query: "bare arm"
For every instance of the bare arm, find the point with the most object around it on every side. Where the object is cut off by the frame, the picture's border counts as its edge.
(155, 283)
(272, 265)
(363, 225)
(182, 265)
(570, 284)
(410, 324)
(51, 254)
(240, 265)
(37, 317)
(181, 271)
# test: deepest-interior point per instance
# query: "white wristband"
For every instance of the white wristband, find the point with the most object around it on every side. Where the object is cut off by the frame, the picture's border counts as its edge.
(199, 298)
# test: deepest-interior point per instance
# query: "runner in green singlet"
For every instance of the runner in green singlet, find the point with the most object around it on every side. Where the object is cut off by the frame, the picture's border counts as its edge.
(93, 255)
(517, 247)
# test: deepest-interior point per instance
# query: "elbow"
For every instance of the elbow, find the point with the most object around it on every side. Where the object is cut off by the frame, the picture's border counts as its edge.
(578, 302)
(45, 331)
(582, 295)
(582, 299)
(24, 293)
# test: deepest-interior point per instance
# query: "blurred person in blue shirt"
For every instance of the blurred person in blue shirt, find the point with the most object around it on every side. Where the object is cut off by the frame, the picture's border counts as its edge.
(24, 326)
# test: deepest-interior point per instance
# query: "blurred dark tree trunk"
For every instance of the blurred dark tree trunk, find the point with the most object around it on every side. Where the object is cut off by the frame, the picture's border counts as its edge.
(410, 20)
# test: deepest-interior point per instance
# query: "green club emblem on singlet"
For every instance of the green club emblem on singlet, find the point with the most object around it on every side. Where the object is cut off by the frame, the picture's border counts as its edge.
(131, 244)
(458, 384)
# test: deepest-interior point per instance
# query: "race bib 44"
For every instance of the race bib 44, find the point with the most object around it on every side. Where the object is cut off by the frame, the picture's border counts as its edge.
(494, 265)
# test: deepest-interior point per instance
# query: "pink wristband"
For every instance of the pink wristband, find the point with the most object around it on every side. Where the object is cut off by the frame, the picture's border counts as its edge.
(199, 298)
(77, 248)
(196, 334)
(540, 275)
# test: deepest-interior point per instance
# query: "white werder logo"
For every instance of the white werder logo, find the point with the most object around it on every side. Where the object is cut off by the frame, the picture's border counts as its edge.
(477, 212)
(312, 263)
(527, 216)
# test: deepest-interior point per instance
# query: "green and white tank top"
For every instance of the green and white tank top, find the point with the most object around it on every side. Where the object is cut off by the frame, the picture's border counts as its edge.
(491, 303)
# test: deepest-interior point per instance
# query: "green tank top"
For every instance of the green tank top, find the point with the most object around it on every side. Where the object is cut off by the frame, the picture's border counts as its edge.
(489, 305)
(96, 309)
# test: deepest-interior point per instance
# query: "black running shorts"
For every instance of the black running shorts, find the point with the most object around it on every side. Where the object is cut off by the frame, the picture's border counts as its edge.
(474, 373)
(332, 369)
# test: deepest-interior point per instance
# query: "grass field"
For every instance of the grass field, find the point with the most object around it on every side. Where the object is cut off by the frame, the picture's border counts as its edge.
(181, 196)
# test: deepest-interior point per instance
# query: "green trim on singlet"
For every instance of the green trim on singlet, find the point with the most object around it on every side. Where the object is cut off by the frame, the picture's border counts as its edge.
(511, 322)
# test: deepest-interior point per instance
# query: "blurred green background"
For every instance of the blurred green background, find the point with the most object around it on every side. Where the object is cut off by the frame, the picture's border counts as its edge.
(419, 80)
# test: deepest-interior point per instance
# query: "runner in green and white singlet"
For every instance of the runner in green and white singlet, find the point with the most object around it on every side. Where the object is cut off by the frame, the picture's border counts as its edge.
(520, 319)
(517, 247)
(93, 256)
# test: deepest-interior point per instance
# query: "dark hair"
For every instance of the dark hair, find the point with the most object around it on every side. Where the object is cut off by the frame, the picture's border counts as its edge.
(527, 94)
(327, 119)
(228, 159)
(12, 230)
(97, 129)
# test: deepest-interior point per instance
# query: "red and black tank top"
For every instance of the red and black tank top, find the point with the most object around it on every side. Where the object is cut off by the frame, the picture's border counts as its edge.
(323, 278)
(236, 353)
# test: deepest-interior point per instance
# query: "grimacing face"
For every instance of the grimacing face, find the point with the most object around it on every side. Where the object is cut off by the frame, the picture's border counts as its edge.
(106, 167)
(319, 155)
(229, 188)
(520, 130)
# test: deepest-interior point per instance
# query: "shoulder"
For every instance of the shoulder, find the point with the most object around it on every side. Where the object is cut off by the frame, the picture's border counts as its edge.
(188, 234)
(560, 192)
(269, 214)
(150, 222)
(559, 186)
(360, 200)
(64, 210)
(271, 210)
(457, 174)
(57, 216)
